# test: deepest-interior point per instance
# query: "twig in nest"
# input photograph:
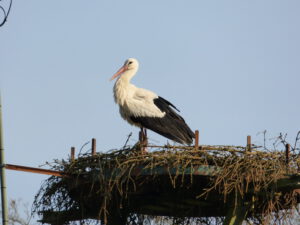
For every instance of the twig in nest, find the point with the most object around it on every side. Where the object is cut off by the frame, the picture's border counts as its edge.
(85, 144)
(129, 136)
(296, 141)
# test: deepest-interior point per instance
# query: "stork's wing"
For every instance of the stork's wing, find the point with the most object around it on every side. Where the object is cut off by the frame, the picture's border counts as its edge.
(161, 103)
(170, 125)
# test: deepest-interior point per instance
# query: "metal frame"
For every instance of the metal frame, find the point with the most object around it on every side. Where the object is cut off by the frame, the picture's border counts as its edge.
(3, 177)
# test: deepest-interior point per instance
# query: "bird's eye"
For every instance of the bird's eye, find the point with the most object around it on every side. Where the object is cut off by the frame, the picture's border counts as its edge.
(129, 63)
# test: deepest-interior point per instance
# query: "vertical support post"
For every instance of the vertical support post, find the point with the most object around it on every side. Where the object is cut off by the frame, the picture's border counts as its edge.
(3, 178)
(93, 146)
(72, 154)
(287, 153)
(248, 143)
(196, 139)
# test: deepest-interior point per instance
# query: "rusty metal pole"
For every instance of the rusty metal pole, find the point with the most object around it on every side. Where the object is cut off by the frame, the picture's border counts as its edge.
(196, 139)
(72, 154)
(93, 146)
(3, 178)
(35, 170)
(248, 143)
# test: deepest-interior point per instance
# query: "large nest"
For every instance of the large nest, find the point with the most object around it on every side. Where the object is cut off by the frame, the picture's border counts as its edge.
(182, 184)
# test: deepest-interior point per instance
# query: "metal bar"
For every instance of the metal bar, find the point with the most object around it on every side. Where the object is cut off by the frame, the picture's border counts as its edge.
(3, 177)
(248, 143)
(93, 146)
(34, 170)
(196, 139)
(72, 153)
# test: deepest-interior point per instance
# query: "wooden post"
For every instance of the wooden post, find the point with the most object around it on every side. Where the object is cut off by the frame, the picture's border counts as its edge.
(72, 154)
(93, 146)
(248, 143)
(196, 139)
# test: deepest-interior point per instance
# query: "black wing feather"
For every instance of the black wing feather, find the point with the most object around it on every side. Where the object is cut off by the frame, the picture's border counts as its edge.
(171, 126)
(160, 102)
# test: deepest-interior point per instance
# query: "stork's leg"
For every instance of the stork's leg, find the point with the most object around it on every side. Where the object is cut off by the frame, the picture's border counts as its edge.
(143, 139)
(145, 136)
(141, 135)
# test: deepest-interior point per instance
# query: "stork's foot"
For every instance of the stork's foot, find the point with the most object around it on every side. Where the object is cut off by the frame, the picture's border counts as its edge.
(143, 139)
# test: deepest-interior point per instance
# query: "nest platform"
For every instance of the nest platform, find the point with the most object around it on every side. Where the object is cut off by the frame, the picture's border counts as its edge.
(207, 185)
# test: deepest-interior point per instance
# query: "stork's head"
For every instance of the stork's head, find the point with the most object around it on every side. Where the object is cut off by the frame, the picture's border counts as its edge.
(131, 65)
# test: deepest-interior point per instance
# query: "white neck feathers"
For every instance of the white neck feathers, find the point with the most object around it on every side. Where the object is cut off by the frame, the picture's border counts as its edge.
(123, 87)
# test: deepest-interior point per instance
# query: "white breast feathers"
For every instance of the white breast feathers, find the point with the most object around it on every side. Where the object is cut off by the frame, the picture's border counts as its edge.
(135, 101)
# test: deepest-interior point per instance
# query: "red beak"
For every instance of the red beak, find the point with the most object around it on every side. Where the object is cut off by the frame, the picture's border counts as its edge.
(120, 71)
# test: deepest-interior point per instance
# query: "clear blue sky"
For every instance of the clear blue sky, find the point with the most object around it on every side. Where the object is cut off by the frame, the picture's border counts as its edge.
(231, 67)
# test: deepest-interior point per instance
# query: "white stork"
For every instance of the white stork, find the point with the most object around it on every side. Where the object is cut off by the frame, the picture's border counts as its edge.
(145, 109)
